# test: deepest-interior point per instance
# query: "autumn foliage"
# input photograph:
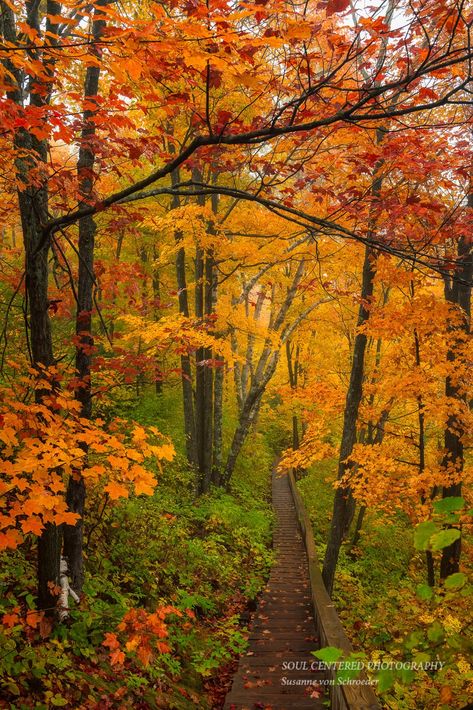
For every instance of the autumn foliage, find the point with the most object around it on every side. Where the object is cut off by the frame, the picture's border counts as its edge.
(226, 229)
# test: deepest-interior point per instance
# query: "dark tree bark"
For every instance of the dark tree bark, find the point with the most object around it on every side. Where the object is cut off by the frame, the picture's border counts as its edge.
(33, 208)
(217, 426)
(208, 397)
(292, 358)
(429, 559)
(344, 504)
(76, 493)
(458, 293)
(158, 372)
(204, 415)
(186, 367)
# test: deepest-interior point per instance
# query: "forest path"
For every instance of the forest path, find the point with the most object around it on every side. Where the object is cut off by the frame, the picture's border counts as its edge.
(282, 631)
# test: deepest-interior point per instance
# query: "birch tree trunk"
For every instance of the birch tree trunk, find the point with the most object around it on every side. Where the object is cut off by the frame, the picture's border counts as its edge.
(261, 375)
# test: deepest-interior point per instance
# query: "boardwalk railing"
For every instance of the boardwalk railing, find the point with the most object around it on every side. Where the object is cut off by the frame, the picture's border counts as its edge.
(329, 627)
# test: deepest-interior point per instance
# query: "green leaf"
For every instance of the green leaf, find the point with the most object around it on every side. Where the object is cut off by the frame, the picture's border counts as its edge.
(421, 658)
(444, 538)
(329, 654)
(415, 640)
(456, 581)
(449, 504)
(435, 632)
(12, 687)
(424, 591)
(423, 533)
(385, 680)
(407, 675)
(455, 641)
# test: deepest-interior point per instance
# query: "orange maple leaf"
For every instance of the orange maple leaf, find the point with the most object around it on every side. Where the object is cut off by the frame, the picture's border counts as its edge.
(10, 619)
(111, 641)
(117, 658)
(116, 490)
(33, 524)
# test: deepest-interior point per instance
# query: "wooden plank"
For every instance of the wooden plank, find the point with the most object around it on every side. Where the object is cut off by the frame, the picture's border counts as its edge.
(282, 629)
(329, 627)
(294, 612)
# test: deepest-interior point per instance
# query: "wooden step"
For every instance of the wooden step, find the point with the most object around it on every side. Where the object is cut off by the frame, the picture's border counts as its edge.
(282, 629)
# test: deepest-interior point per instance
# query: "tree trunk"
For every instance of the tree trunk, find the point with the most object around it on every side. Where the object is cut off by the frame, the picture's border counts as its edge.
(33, 208)
(344, 505)
(76, 494)
(158, 370)
(261, 375)
(458, 293)
(204, 373)
(249, 411)
(186, 367)
(217, 426)
(293, 373)
(358, 525)
(429, 559)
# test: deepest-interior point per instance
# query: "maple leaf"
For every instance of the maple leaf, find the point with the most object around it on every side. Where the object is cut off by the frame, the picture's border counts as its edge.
(111, 641)
(132, 643)
(10, 539)
(33, 524)
(33, 618)
(10, 619)
(166, 452)
(117, 658)
(118, 462)
(335, 6)
(66, 517)
(116, 490)
(143, 487)
(214, 78)
(317, 692)
(145, 655)
(45, 626)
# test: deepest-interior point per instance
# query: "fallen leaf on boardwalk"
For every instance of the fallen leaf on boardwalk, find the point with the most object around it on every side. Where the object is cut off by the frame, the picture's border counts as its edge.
(316, 693)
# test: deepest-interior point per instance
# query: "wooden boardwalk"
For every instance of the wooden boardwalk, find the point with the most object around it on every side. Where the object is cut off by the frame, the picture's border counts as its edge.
(277, 672)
